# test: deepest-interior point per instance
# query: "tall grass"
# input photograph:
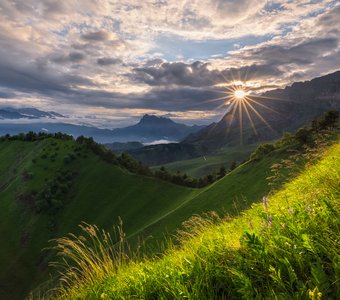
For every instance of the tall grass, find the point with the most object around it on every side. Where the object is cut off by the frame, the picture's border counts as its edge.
(284, 248)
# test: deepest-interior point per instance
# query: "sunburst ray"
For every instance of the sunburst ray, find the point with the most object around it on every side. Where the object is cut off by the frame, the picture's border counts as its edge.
(259, 115)
(262, 105)
(249, 118)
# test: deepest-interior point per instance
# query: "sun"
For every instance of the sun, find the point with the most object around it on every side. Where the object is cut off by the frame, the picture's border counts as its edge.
(240, 100)
(239, 94)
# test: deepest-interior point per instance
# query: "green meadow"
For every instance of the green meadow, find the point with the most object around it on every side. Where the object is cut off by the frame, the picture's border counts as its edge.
(286, 247)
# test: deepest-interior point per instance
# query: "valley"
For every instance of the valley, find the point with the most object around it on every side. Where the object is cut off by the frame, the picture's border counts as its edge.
(207, 164)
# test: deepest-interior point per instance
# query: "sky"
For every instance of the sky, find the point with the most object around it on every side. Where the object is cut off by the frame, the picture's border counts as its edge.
(108, 62)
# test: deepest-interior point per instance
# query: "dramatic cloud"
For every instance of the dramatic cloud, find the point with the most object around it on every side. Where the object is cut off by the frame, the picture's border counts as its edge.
(106, 61)
(73, 57)
(198, 74)
(177, 73)
(96, 36)
(303, 53)
(159, 56)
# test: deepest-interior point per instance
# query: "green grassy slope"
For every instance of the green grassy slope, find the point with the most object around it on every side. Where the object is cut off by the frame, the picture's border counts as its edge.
(285, 249)
(99, 193)
(204, 165)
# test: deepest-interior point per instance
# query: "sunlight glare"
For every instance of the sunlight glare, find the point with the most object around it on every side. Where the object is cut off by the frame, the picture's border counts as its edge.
(239, 94)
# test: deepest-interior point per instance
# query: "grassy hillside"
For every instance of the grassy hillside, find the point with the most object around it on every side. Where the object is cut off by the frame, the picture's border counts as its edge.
(284, 248)
(80, 186)
(203, 165)
(99, 193)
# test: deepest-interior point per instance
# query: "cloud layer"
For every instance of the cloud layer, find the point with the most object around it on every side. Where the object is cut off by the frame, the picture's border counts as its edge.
(105, 57)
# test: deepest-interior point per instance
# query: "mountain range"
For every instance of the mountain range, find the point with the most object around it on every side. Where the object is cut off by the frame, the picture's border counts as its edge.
(281, 109)
(149, 129)
(152, 128)
(277, 111)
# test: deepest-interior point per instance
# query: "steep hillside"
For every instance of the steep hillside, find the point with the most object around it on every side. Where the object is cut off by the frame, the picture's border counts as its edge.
(91, 190)
(48, 187)
(285, 248)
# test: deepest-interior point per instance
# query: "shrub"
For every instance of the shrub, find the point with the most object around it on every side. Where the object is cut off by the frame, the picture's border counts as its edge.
(304, 136)
(261, 151)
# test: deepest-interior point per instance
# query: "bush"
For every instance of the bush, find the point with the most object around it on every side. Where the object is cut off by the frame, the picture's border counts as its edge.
(261, 151)
(304, 136)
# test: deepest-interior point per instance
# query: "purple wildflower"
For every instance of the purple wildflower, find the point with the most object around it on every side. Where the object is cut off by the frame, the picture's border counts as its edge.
(290, 210)
(270, 220)
(265, 202)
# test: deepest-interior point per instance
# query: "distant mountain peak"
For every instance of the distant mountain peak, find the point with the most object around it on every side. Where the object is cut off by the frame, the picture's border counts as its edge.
(149, 117)
(152, 128)
(154, 119)
(27, 113)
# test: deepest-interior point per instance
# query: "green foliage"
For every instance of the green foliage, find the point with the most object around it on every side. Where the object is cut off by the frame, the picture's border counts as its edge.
(233, 166)
(53, 195)
(328, 121)
(304, 136)
(261, 151)
(32, 136)
(133, 166)
(222, 172)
